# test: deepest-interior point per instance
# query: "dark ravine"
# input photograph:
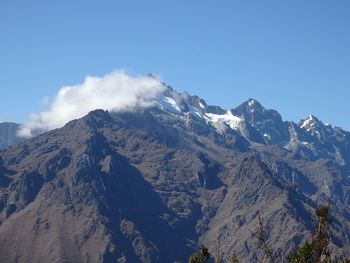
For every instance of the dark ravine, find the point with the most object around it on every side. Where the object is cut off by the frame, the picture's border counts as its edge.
(149, 186)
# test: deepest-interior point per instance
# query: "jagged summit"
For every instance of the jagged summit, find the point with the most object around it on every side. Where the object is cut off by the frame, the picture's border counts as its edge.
(310, 122)
(152, 75)
(249, 106)
(183, 104)
(260, 125)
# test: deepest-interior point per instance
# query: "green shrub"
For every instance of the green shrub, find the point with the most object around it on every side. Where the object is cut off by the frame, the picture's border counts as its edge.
(201, 256)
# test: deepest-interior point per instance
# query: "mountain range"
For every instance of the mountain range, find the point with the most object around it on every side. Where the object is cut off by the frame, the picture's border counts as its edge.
(152, 184)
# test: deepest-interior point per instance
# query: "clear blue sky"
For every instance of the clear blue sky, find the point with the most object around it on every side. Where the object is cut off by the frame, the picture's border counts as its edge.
(291, 55)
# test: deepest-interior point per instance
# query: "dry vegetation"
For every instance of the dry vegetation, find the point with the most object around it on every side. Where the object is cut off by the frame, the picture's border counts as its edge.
(314, 250)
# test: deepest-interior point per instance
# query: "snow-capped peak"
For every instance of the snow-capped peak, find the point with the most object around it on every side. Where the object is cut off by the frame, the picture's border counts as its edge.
(250, 119)
(251, 102)
(248, 108)
(317, 128)
(307, 122)
(184, 104)
(310, 122)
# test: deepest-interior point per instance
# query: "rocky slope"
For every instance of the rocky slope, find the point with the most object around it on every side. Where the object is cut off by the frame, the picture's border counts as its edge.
(149, 186)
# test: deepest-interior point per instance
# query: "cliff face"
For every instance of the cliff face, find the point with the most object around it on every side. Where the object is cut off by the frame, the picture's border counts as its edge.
(8, 134)
(148, 187)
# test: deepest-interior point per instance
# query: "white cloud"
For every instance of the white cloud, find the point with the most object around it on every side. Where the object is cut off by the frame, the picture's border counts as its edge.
(115, 92)
(45, 100)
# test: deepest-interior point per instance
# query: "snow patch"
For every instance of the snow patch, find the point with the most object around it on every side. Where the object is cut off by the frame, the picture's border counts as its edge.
(266, 136)
(168, 104)
(227, 118)
(307, 122)
(251, 102)
(195, 112)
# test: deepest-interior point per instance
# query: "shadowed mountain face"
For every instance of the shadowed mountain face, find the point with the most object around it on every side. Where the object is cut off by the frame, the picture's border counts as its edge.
(8, 134)
(149, 186)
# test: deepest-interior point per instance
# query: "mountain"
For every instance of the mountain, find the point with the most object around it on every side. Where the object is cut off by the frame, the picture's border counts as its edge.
(310, 139)
(150, 185)
(8, 134)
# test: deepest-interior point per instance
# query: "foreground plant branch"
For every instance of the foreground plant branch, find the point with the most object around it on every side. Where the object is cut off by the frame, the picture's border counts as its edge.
(315, 250)
(262, 241)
